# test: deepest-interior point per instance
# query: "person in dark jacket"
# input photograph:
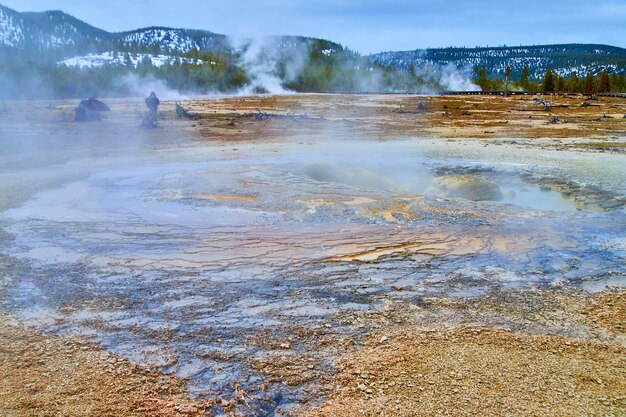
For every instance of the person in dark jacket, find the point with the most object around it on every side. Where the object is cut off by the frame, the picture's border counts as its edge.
(152, 102)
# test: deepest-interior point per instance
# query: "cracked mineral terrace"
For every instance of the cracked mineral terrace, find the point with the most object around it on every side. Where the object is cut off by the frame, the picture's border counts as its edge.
(360, 261)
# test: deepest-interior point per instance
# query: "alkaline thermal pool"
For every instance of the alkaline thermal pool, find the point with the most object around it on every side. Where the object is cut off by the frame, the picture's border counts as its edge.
(209, 262)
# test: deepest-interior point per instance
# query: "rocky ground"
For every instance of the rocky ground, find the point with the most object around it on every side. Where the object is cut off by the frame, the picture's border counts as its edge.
(49, 376)
(508, 352)
(572, 121)
(493, 370)
(504, 354)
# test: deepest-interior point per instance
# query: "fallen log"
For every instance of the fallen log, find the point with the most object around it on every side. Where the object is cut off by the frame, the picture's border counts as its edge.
(181, 112)
(259, 116)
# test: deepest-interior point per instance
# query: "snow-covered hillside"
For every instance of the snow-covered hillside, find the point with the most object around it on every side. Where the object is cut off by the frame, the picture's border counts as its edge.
(55, 30)
(47, 31)
(167, 39)
(173, 40)
(113, 58)
(11, 28)
(562, 59)
(75, 42)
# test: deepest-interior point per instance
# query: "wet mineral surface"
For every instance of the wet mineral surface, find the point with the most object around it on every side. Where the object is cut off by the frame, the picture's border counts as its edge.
(251, 268)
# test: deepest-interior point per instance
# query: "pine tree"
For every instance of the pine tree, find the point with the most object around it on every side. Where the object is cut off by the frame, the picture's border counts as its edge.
(561, 85)
(604, 85)
(614, 82)
(507, 76)
(481, 77)
(155, 49)
(145, 65)
(127, 60)
(507, 72)
(589, 88)
(548, 82)
(574, 83)
(524, 80)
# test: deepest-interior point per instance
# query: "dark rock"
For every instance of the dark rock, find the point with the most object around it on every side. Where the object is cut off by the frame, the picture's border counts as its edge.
(94, 105)
(83, 114)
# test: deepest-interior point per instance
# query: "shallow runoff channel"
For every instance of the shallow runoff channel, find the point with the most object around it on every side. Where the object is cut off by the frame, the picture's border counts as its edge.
(242, 267)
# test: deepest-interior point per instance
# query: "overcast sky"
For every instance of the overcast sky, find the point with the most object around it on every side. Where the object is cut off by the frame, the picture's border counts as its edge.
(367, 25)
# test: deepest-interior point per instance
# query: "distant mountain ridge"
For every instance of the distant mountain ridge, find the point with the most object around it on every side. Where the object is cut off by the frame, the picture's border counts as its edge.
(562, 59)
(65, 36)
(175, 40)
(69, 36)
(47, 30)
(63, 32)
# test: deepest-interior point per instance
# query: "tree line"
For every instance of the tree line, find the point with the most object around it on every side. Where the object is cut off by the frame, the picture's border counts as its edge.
(602, 82)
(38, 75)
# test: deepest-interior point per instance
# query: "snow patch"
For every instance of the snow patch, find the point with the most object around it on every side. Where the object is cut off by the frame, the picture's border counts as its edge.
(11, 30)
(111, 59)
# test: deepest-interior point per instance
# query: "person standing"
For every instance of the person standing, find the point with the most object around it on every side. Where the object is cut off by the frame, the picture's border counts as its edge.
(152, 102)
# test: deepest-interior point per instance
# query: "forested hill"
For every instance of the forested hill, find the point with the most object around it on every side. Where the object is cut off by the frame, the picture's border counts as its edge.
(71, 57)
(53, 54)
(62, 34)
(67, 37)
(55, 30)
(562, 59)
(48, 30)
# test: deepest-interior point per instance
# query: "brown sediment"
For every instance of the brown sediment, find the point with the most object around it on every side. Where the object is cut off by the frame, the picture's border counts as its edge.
(225, 197)
(357, 200)
(493, 119)
(410, 197)
(318, 201)
(608, 311)
(441, 243)
(470, 371)
(601, 316)
(392, 212)
(480, 117)
(51, 376)
(424, 248)
(453, 358)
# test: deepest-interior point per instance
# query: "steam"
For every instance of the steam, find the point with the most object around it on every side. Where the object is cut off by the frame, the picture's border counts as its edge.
(261, 58)
(273, 62)
(271, 65)
(455, 79)
(12, 86)
(136, 86)
(445, 78)
(127, 85)
(370, 80)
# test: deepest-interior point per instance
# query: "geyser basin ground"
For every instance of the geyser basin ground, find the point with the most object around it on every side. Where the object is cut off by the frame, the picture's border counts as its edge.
(252, 268)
